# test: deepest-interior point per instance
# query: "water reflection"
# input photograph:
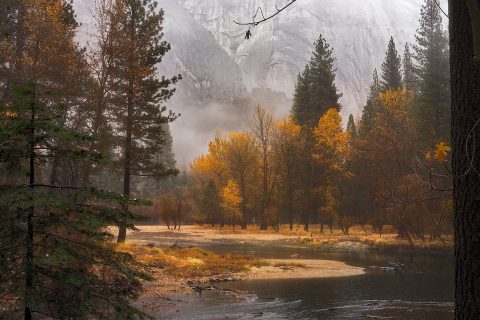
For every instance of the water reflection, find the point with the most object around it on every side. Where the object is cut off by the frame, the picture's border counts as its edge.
(424, 291)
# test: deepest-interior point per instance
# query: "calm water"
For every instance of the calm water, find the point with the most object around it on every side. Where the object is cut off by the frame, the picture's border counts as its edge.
(425, 291)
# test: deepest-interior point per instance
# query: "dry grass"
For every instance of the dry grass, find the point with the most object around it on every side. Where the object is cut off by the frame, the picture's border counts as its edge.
(313, 237)
(289, 265)
(190, 262)
(387, 240)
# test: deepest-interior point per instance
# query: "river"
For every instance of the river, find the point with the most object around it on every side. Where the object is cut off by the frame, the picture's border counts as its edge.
(424, 291)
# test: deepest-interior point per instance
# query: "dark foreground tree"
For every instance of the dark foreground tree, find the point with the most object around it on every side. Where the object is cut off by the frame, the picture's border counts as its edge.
(465, 87)
(56, 255)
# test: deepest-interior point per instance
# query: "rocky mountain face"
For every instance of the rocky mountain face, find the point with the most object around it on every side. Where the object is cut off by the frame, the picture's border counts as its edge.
(226, 75)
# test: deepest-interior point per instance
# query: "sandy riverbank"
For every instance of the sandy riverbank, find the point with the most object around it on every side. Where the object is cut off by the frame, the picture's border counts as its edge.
(167, 295)
(180, 275)
(358, 239)
(302, 269)
(203, 235)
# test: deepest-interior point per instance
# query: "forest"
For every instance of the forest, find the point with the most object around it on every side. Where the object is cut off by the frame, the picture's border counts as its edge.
(391, 166)
(93, 209)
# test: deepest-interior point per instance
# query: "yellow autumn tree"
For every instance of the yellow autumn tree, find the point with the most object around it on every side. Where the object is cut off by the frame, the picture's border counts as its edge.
(242, 162)
(332, 146)
(212, 166)
(231, 201)
(209, 175)
(287, 146)
(229, 157)
(332, 149)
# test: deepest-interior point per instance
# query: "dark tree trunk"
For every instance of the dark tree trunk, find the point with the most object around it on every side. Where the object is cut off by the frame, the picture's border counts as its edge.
(29, 267)
(263, 219)
(122, 232)
(127, 170)
(465, 85)
(290, 201)
(243, 188)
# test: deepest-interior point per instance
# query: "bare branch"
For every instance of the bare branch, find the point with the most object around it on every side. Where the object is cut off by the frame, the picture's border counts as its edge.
(440, 7)
(259, 10)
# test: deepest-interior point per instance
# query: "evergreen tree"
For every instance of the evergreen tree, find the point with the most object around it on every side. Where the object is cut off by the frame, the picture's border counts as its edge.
(432, 107)
(160, 184)
(372, 106)
(409, 74)
(375, 87)
(315, 90)
(315, 93)
(56, 257)
(351, 127)
(391, 68)
(140, 93)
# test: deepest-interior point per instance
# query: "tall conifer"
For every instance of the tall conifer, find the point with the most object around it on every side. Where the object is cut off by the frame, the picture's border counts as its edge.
(409, 75)
(372, 106)
(315, 90)
(432, 107)
(351, 127)
(56, 255)
(140, 94)
(391, 77)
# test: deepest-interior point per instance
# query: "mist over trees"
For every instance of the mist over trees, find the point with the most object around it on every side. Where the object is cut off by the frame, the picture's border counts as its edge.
(86, 149)
(382, 169)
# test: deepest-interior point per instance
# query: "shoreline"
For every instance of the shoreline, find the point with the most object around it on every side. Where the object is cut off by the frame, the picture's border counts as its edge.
(193, 248)
(167, 295)
(302, 269)
(193, 235)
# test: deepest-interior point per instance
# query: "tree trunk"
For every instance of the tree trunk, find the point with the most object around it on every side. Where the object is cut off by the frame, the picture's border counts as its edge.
(465, 85)
(127, 170)
(263, 220)
(244, 221)
(29, 240)
(122, 232)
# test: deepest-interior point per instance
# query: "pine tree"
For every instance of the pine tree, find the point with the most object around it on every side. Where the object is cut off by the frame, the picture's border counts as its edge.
(351, 127)
(315, 93)
(372, 106)
(315, 90)
(375, 86)
(391, 68)
(140, 93)
(56, 257)
(409, 74)
(157, 185)
(432, 107)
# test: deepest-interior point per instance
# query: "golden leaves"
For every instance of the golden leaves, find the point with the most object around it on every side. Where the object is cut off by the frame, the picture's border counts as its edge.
(441, 151)
(231, 199)
(10, 114)
(331, 142)
(396, 100)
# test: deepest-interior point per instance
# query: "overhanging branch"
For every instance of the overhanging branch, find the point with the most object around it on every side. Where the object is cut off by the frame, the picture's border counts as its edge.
(263, 18)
